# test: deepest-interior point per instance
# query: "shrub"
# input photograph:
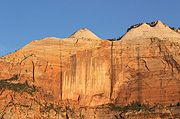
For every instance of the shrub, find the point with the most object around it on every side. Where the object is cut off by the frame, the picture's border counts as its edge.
(113, 39)
(174, 29)
(67, 108)
(114, 107)
(135, 105)
(7, 84)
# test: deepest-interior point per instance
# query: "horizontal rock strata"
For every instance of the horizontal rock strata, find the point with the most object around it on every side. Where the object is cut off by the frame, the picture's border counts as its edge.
(91, 71)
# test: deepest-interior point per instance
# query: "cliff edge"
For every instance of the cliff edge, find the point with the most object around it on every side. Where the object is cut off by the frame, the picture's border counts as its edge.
(54, 75)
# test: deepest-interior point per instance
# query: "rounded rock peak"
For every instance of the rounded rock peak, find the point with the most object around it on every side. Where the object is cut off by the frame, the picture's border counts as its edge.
(84, 33)
(144, 25)
(159, 21)
(83, 29)
(159, 24)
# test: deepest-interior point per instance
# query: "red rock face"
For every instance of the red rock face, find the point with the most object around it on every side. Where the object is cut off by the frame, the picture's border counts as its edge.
(148, 71)
(94, 72)
(66, 68)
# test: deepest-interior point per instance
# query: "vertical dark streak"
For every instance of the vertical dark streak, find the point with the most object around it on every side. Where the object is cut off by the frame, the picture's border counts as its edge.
(112, 76)
(60, 58)
(161, 91)
(121, 55)
(86, 71)
(46, 66)
(73, 68)
(168, 57)
(33, 71)
(139, 80)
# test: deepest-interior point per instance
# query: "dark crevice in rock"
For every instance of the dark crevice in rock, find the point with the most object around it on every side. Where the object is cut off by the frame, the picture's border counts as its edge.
(88, 55)
(31, 55)
(33, 71)
(67, 117)
(146, 65)
(168, 57)
(100, 95)
(73, 68)
(139, 79)
(112, 71)
(76, 42)
(46, 66)
(116, 116)
(60, 58)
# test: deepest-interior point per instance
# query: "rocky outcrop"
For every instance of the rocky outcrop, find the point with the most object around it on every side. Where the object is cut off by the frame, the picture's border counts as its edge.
(68, 68)
(158, 29)
(84, 33)
(148, 71)
(87, 71)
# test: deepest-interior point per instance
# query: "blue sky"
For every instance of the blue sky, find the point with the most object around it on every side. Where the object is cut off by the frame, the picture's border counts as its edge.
(22, 21)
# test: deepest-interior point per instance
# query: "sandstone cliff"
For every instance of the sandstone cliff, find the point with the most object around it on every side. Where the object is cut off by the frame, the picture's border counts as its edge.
(83, 69)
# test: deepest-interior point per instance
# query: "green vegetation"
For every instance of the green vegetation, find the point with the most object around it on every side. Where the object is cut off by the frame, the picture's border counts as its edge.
(134, 26)
(135, 106)
(174, 105)
(175, 29)
(151, 24)
(70, 109)
(139, 24)
(47, 107)
(112, 39)
(67, 108)
(7, 84)
(15, 85)
(115, 39)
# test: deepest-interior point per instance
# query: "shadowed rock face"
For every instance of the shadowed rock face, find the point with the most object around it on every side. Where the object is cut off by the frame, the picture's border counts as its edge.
(146, 70)
(94, 72)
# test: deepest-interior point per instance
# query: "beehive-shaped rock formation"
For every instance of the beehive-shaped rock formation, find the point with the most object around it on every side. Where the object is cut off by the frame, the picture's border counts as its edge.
(84, 33)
